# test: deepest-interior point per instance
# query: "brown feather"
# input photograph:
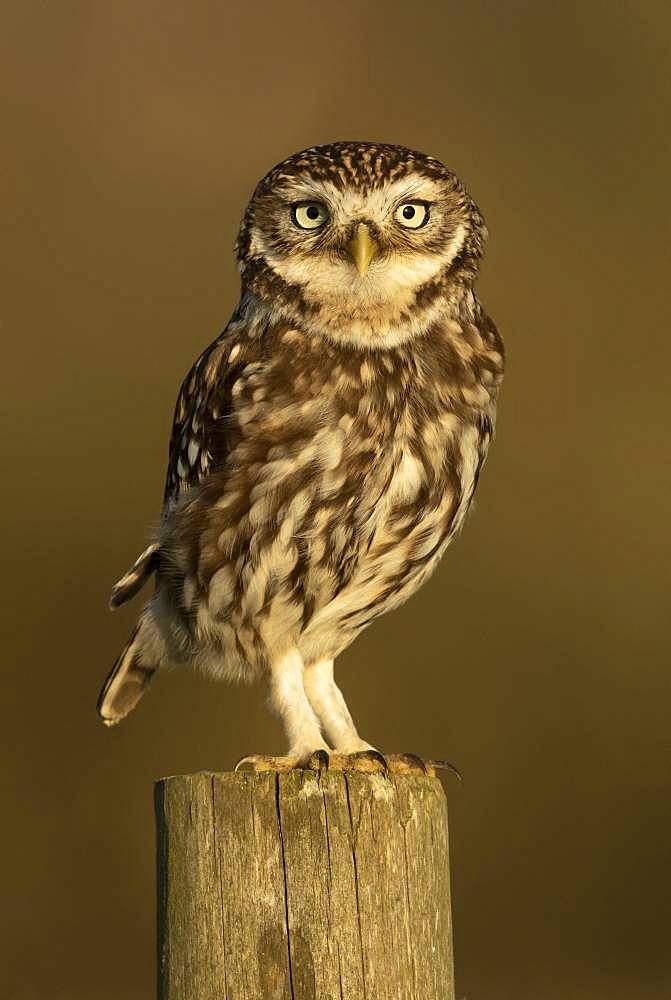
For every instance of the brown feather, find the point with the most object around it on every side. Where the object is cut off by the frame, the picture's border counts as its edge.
(127, 681)
(135, 578)
(326, 447)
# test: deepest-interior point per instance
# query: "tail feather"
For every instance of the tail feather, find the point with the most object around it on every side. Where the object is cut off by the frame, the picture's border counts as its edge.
(136, 577)
(127, 681)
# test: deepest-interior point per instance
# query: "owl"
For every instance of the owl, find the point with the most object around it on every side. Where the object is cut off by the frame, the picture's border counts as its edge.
(326, 447)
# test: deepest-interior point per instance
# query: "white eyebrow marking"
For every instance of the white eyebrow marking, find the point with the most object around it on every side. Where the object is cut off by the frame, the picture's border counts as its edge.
(457, 241)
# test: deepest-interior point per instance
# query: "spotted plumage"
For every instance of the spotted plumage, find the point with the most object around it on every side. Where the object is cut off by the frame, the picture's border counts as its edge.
(326, 447)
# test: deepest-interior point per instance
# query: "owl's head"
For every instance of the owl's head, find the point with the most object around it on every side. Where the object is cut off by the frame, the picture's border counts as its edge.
(363, 242)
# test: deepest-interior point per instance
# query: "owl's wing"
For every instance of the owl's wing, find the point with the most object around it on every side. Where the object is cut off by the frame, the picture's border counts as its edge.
(199, 441)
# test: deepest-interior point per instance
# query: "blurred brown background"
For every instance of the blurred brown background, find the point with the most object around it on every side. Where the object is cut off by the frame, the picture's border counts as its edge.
(538, 656)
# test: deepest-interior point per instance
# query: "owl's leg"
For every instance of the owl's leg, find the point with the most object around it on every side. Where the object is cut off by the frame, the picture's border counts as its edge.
(329, 705)
(351, 752)
(289, 700)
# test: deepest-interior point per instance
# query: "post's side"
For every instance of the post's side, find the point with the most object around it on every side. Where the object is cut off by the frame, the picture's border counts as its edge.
(303, 886)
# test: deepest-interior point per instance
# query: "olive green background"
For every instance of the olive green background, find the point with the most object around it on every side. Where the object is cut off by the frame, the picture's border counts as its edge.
(537, 658)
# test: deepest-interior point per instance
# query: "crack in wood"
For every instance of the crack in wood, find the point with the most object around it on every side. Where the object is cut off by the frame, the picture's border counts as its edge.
(303, 887)
(221, 884)
(356, 885)
(286, 887)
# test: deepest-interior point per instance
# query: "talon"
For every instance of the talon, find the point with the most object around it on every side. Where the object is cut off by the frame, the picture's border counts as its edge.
(444, 765)
(372, 760)
(406, 763)
(319, 761)
(241, 762)
(266, 762)
(379, 757)
(412, 763)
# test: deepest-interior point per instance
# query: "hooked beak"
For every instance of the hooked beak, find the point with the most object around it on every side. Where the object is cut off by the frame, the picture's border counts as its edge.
(362, 248)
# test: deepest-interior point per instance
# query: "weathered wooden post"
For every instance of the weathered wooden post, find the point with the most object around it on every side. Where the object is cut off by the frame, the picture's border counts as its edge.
(303, 886)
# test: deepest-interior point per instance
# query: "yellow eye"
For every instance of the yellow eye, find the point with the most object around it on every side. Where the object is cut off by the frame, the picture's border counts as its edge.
(412, 214)
(309, 214)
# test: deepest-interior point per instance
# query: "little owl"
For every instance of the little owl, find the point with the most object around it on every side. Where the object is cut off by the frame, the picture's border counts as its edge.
(326, 447)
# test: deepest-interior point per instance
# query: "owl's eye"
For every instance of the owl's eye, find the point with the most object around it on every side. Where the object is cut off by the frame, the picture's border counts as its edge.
(412, 214)
(309, 214)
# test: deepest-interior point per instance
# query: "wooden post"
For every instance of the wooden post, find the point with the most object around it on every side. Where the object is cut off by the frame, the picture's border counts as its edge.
(303, 886)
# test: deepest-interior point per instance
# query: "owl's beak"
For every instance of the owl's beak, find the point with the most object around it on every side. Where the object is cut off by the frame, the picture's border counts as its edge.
(362, 248)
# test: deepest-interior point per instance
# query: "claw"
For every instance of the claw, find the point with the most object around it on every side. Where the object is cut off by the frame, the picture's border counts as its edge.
(265, 762)
(319, 761)
(406, 763)
(444, 765)
(368, 760)
(412, 763)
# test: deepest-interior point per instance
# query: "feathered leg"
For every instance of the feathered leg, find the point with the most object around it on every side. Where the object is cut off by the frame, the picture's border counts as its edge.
(308, 700)
(331, 709)
(338, 726)
(289, 701)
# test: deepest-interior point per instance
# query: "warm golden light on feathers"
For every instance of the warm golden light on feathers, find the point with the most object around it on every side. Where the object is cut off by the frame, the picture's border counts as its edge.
(326, 447)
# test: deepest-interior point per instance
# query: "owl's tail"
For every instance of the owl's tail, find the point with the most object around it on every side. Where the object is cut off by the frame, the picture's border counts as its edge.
(132, 673)
(140, 658)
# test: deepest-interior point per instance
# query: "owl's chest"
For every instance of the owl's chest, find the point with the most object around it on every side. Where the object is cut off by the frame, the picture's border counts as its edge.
(402, 478)
(414, 465)
(390, 534)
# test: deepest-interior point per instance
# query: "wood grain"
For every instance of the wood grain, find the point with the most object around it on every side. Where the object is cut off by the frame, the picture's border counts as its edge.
(303, 886)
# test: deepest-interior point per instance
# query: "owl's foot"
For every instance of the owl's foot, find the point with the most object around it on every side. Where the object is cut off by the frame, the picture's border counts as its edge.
(266, 762)
(301, 760)
(369, 761)
(411, 763)
(318, 760)
(372, 761)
